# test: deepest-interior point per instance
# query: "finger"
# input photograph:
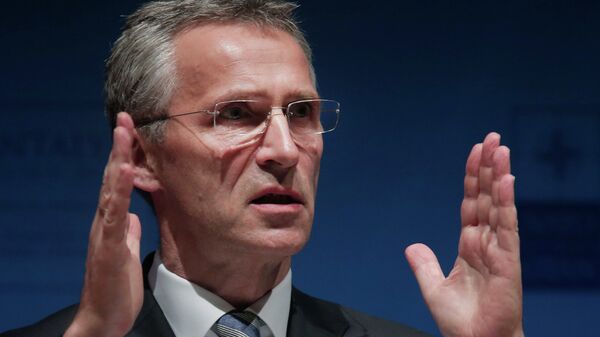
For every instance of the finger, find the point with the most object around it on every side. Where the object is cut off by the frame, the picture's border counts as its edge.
(426, 268)
(125, 120)
(134, 235)
(501, 162)
(471, 186)
(484, 199)
(501, 167)
(120, 153)
(116, 191)
(472, 172)
(490, 144)
(115, 223)
(507, 230)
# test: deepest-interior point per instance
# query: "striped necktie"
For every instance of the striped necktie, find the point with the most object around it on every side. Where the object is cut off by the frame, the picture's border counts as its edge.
(238, 324)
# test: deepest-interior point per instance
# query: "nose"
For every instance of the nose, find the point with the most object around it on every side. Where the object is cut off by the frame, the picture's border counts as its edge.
(278, 149)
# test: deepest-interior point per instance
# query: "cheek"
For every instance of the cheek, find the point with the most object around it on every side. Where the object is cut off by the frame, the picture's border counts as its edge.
(234, 160)
(313, 151)
(188, 169)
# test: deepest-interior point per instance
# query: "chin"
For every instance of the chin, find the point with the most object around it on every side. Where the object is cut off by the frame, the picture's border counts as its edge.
(282, 242)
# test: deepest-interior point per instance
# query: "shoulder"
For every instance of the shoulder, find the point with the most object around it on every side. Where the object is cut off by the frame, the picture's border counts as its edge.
(53, 325)
(326, 313)
(381, 327)
(150, 322)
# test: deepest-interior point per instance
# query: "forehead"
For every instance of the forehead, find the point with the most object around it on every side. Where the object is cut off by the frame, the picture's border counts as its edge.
(215, 59)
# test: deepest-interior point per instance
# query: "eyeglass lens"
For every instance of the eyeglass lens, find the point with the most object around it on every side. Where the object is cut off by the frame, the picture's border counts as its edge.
(251, 116)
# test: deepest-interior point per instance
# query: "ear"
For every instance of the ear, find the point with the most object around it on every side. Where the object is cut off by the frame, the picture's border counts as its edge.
(144, 165)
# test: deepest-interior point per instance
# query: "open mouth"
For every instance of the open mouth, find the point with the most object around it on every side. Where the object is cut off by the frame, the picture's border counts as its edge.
(277, 199)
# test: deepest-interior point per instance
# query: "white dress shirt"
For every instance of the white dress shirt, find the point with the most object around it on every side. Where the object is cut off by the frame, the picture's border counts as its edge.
(192, 310)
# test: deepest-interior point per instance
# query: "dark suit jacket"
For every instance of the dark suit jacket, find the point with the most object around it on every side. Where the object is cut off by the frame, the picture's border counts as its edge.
(309, 317)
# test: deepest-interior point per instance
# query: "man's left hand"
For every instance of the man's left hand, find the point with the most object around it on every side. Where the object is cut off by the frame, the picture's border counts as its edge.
(482, 295)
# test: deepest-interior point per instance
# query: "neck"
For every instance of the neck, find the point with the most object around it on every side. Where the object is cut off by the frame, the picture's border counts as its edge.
(239, 279)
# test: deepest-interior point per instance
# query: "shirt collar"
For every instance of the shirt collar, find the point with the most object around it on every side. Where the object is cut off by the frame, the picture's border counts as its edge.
(191, 310)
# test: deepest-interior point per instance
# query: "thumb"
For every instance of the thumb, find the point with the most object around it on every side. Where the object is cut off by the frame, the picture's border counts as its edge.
(134, 235)
(426, 268)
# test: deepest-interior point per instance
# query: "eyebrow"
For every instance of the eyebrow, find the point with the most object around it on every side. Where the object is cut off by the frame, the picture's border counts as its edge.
(237, 93)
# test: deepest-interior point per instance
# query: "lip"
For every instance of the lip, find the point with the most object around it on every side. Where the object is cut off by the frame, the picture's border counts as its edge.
(277, 209)
(297, 197)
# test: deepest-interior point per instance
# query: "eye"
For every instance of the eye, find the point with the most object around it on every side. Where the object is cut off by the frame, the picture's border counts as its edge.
(235, 111)
(301, 110)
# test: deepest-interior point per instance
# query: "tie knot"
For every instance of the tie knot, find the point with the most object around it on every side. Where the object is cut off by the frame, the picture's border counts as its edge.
(238, 324)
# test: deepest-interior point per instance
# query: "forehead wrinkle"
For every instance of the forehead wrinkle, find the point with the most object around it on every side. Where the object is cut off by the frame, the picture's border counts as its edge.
(232, 55)
(250, 91)
(193, 81)
(249, 82)
(239, 68)
(233, 64)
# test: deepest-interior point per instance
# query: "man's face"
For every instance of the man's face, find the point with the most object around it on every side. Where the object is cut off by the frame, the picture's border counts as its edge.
(254, 196)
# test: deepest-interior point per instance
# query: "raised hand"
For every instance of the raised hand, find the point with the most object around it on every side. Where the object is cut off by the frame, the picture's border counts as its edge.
(482, 295)
(112, 294)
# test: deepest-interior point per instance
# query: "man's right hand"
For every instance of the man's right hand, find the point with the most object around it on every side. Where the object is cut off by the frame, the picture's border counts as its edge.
(113, 289)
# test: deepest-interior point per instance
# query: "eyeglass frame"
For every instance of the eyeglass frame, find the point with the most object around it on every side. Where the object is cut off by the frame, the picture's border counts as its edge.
(214, 113)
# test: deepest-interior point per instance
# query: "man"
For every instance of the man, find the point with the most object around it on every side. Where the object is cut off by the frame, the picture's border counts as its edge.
(218, 121)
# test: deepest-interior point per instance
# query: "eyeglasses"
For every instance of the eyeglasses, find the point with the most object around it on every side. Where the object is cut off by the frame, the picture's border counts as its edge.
(252, 117)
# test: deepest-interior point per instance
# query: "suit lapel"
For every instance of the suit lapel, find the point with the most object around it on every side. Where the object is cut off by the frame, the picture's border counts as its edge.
(316, 318)
(151, 321)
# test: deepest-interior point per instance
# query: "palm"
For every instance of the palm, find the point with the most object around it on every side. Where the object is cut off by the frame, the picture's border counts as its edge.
(482, 294)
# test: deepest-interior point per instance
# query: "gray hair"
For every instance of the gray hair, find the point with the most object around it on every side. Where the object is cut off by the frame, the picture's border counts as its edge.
(140, 72)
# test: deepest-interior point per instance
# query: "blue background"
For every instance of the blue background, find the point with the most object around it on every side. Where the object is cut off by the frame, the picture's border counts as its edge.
(419, 82)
